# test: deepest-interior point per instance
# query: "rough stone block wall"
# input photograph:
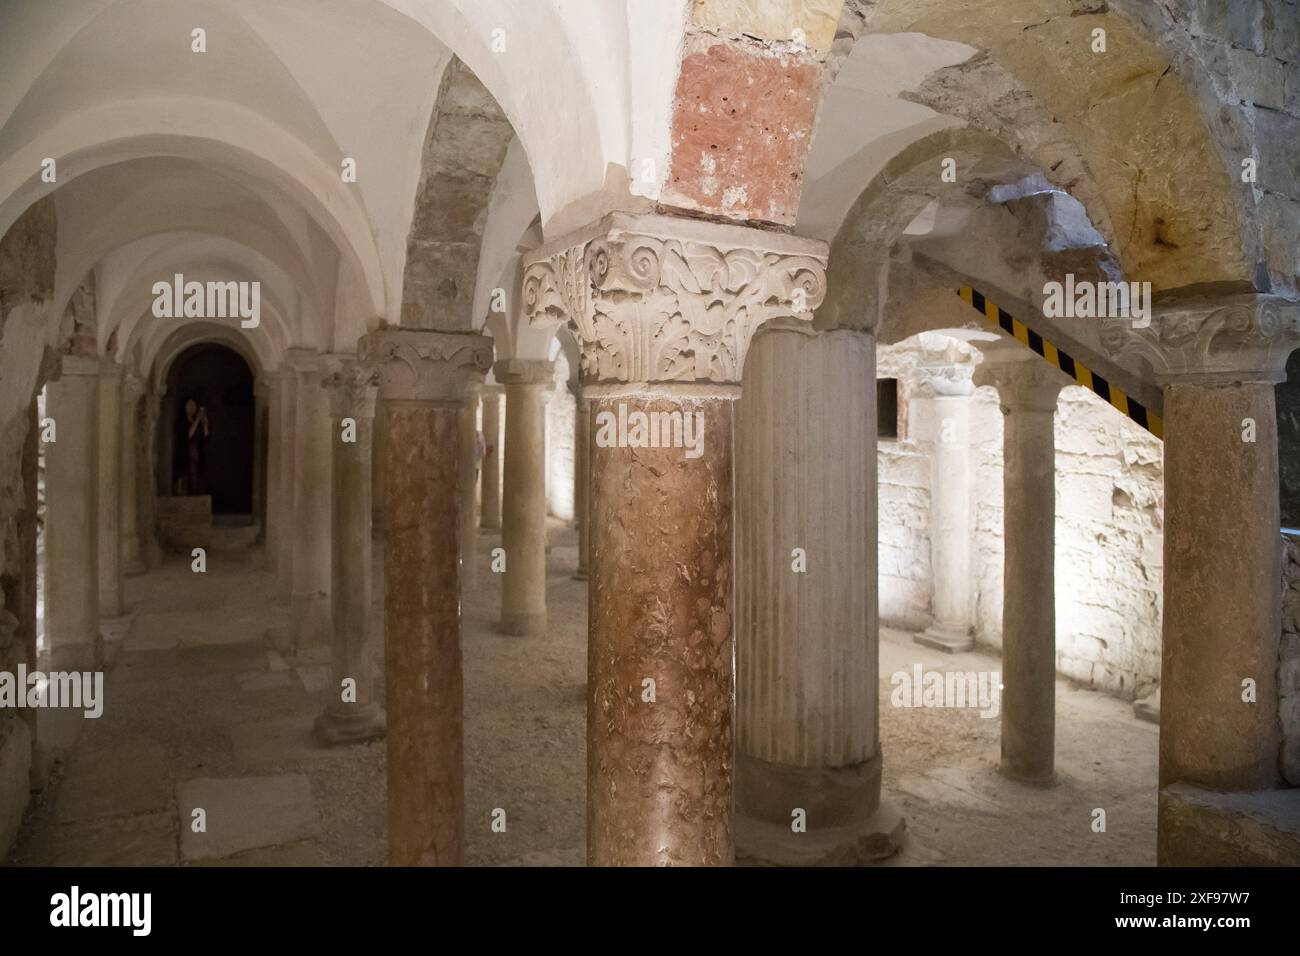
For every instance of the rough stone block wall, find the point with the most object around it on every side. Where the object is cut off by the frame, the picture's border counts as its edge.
(561, 417)
(1289, 664)
(1109, 536)
(1242, 59)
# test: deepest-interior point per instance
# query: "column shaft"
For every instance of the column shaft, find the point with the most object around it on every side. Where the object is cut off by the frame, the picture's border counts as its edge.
(523, 522)
(352, 714)
(288, 476)
(468, 536)
(492, 459)
(313, 432)
(1222, 615)
(582, 482)
(129, 492)
(110, 474)
(71, 517)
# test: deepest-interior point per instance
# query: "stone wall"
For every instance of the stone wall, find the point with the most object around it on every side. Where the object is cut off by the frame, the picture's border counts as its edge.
(1109, 533)
(1289, 665)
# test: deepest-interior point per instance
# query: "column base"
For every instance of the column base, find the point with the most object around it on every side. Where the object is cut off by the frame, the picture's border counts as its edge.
(349, 724)
(880, 836)
(948, 638)
(1030, 778)
(523, 624)
(1148, 708)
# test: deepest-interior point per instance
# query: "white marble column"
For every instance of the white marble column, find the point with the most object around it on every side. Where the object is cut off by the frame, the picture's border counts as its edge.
(352, 714)
(1027, 392)
(71, 516)
(468, 536)
(309, 609)
(947, 388)
(523, 518)
(129, 492)
(807, 629)
(111, 602)
(493, 395)
(581, 478)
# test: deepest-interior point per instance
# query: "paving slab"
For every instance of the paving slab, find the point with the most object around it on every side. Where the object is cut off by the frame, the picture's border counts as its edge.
(117, 780)
(245, 813)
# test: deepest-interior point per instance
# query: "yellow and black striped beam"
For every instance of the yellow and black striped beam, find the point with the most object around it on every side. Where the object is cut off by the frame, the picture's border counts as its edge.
(1071, 366)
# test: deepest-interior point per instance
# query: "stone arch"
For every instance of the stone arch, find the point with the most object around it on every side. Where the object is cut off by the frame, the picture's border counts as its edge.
(1138, 130)
(466, 144)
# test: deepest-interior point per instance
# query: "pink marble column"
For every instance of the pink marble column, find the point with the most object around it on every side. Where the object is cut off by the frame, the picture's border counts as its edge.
(423, 381)
(664, 318)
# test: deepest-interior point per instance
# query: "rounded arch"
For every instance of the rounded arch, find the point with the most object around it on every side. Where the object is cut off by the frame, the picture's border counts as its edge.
(158, 358)
(1141, 136)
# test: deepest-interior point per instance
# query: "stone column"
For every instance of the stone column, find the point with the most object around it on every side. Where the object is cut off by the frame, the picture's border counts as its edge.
(1218, 361)
(352, 715)
(71, 516)
(289, 475)
(523, 514)
(664, 310)
(492, 396)
(468, 536)
(275, 517)
(1027, 391)
(309, 609)
(423, 377)
(807, 630)
(377, 458)
(581, 479)
(111, 603)
(129, 496)
(948, 389)
(261, 393)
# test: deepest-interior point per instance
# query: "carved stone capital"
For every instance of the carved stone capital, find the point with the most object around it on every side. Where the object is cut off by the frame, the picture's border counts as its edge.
(941, 381)
(353, 388)
(426, 366)
(305, 365)
(1025, 383)
(663, 299)
(1210, 341)
(524, 372)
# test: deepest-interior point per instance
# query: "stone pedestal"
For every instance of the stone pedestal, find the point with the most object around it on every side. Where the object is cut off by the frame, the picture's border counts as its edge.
(129, 495)
(423, 378)
(309, 608)
(71, 516)
(523, 518)
(111, 603)
(807, 730)
(582, 482)
(491, 471)
(948, 388)
(1027, 391)
(663, 310)
(352, 715)
(1218, 360)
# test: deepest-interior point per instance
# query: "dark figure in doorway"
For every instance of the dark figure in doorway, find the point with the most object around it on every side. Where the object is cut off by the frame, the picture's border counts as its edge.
(196, 436)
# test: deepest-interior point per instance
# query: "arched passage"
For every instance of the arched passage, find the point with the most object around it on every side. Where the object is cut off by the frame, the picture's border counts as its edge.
(217, 460)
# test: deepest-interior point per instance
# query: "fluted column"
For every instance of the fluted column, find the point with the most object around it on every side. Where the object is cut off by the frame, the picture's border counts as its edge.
(468, 536)
(807, 630)
(663, 309)
(1217, 361)
(129, 493)
(948, 389)
(423, 378)
(1027, 391)
(71, 516)
(582, 478)
(110, 476)
(491, 474)
(352, 714)
(309, 608)
(523, 506)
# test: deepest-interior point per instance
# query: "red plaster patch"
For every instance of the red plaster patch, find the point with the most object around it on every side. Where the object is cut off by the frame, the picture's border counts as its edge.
(742, 125)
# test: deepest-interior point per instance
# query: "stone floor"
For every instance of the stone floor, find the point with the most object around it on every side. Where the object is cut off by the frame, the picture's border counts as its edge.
(205, 721)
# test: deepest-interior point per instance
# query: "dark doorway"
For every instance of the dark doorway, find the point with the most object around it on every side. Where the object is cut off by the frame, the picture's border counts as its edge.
(216, 460)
